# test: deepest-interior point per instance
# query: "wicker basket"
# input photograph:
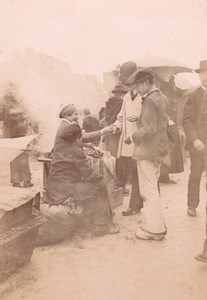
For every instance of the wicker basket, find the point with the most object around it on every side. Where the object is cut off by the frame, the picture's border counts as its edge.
(17, 244)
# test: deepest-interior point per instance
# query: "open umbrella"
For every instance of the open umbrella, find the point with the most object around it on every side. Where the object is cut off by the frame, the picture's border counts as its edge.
(163, 67)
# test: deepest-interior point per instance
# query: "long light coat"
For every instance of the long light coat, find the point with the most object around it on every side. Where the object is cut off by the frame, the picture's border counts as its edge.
(129, 108)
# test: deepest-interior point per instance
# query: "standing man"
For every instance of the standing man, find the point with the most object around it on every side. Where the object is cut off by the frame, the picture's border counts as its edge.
(195, 138)
(126, 123)
(203, 256)
(113, 108)
(120, 111)
(150, 148)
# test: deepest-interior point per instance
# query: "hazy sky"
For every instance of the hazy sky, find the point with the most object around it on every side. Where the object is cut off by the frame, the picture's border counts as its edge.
(95, 35)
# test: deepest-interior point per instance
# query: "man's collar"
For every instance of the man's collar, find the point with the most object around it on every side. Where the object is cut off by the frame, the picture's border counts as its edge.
(67, 120)
(154, 89)
(133, 94)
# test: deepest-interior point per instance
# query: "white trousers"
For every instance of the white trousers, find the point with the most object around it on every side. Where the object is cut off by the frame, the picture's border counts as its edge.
(148, 179)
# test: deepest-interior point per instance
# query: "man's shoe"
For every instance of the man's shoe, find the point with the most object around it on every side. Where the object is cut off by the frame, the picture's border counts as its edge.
(129, 211)
(144, 235)
(191, 212)
(16, 185)
(202, 257)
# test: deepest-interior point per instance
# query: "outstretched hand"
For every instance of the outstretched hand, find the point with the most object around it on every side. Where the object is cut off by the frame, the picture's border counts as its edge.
(108, 130)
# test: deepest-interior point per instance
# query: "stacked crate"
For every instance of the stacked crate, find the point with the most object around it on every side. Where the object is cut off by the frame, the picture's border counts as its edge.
(18, 228)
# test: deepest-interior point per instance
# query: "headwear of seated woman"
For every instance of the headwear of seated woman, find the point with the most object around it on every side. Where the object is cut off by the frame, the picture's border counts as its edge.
(68, 110)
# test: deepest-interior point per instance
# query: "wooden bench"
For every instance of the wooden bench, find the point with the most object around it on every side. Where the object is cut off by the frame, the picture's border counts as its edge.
(46, 160)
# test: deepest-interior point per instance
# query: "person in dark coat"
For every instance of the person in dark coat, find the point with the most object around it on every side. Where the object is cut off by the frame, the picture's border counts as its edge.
(102, 120)
(124, 165)
(71, 177)
(195, 139)
(15, 124)
(174, 163)
(113, 107)
(90, 124)
(203, 256)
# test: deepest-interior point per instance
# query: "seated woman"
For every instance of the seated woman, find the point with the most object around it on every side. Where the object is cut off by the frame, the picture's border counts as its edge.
(72, 179)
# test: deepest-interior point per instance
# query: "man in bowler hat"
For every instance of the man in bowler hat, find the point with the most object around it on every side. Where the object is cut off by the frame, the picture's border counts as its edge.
(150, 147)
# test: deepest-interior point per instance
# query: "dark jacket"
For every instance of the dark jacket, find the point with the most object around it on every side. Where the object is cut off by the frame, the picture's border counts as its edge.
(203, 124)
(113, 107)
(203, 118)
(114, 104)
(150, 138)
(191, 118)
(175, 149)
(90, 124)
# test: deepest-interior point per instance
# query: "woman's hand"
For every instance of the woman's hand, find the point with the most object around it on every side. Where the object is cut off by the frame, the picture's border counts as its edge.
(108, 130)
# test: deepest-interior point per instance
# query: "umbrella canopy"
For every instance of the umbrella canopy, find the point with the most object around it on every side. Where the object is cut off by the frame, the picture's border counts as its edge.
(157, 61)
(164, 67)
(166, 72)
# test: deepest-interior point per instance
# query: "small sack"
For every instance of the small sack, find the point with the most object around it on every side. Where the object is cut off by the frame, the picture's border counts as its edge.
(59, 224)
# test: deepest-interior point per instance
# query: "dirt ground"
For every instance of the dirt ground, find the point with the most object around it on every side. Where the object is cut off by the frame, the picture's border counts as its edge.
(121, 267)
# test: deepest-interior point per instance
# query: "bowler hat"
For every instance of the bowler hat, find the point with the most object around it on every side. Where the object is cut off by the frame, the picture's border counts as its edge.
(128, 68)
(139, 75)
(203, 66)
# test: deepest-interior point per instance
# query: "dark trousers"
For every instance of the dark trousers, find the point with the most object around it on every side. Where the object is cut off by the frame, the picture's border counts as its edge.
(136, 201)
(123, 171)
(196, 170)
(205, 243)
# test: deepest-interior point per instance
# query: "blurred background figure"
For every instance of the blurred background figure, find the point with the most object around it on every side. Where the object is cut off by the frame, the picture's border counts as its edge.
(90, 124)
(17, 123)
